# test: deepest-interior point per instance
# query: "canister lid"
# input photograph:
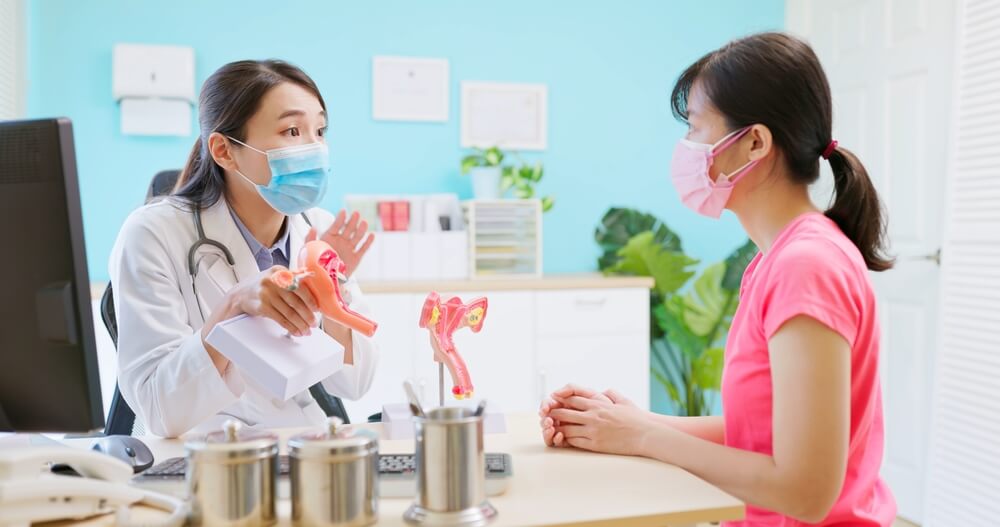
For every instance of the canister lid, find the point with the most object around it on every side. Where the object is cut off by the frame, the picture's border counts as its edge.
(233, 443)
(335, 440)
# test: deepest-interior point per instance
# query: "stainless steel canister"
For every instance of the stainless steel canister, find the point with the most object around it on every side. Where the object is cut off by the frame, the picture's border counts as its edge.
(451, 468)
(334, 475)
(232, 477)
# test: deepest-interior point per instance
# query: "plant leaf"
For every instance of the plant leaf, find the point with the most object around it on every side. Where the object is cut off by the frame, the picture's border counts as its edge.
(736, 264)
(471, 161)
(619, 225)
(671, 389)
(705, 304)
(670, 317)
(506, 183)
(537, 172)
(547, 203)
(493, 156)
(706, 370)
(525, 174)
(643, 256)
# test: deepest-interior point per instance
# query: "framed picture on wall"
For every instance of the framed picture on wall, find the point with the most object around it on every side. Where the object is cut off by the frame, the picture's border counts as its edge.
(511, 116)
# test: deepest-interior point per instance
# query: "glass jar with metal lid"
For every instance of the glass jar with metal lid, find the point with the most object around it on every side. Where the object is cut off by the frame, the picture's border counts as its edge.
(232, 477)
(334, 475)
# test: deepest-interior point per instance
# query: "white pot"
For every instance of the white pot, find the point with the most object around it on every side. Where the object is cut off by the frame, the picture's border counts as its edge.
(485, 182)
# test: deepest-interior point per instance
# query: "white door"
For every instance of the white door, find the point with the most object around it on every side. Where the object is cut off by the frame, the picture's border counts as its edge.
(963, 476)
(889, 65)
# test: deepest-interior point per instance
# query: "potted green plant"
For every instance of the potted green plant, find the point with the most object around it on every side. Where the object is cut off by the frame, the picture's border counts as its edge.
(492, 179)
(688, 326)
(521, 179)
(484, 166)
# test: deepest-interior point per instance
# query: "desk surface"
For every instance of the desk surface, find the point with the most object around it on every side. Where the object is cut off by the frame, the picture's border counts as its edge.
(556, 486)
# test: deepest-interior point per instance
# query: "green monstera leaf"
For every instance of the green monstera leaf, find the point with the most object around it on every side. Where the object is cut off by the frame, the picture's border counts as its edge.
(736, 263)
(619, 226)
(706, 370)
(707, 304)
(643, 255)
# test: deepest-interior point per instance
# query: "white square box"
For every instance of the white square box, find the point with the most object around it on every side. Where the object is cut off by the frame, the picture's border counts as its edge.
(284, 365)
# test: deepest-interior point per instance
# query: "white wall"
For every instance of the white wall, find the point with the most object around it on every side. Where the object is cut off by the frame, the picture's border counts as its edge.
(12, 58)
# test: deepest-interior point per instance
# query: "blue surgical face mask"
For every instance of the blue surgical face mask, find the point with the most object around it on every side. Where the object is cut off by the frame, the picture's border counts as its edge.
(298, 176)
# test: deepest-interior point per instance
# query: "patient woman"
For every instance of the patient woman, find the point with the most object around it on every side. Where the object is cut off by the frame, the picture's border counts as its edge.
(801, 435)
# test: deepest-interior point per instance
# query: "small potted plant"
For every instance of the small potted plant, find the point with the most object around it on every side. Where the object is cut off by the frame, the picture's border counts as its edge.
(491, 179)
(484, 166)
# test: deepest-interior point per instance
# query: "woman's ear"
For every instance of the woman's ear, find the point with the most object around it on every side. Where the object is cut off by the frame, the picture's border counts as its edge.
(763, 142)
(220, 149)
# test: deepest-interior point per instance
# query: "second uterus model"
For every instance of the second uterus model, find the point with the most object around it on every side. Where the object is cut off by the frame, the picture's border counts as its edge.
(442, 320)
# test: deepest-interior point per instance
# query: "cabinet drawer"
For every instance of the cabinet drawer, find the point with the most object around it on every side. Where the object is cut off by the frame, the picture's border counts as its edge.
(592, 312)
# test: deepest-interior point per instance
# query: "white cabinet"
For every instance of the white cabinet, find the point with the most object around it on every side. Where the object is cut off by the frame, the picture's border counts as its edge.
(599, 362)
(538, 336)
(397, 316)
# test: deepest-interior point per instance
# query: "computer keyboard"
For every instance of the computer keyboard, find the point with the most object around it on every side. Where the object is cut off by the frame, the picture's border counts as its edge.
(397, 473)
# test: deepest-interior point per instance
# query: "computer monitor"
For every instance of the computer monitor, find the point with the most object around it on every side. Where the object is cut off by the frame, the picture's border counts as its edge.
(49, 379)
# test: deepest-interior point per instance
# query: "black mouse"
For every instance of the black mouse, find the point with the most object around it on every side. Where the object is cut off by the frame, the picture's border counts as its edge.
(128, 449)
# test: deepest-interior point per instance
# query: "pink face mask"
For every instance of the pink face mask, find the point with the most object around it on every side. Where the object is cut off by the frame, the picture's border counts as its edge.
(689, 171)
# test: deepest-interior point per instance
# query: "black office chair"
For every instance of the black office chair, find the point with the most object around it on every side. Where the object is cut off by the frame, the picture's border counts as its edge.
(121, 418)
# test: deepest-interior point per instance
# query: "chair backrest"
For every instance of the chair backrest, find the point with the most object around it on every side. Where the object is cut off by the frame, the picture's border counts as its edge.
(162, 184)
(121, 418)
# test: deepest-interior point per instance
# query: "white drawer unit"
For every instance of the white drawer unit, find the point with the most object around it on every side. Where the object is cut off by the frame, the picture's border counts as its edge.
(592, 312)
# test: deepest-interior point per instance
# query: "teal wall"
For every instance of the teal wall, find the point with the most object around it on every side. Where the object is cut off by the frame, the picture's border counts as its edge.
(609, 66)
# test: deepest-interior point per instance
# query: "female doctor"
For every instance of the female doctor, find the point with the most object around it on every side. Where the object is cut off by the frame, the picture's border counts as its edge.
(244, 205)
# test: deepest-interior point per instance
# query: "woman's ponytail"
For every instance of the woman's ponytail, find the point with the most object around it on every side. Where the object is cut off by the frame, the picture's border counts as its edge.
(856, 208)
(200, 183)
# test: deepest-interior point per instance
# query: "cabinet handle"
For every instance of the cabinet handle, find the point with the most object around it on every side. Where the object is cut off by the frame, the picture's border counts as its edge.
(591, 303)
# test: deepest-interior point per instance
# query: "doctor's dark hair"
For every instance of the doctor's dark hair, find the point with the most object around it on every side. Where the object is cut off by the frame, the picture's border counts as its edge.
(776, 80)
(229, 98)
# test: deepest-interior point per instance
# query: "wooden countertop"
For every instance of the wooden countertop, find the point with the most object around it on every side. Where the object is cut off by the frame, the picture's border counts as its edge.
(553, 486)
(546, 283)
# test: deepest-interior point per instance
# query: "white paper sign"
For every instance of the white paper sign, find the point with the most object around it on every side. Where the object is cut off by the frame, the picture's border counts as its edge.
(156, 117)
(409, 89)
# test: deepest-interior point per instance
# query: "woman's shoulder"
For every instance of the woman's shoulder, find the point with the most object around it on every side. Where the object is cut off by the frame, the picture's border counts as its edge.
(156, 220)
(816, 244)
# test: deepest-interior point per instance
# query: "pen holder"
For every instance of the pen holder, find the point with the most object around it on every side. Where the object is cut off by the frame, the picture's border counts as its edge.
(451, 486)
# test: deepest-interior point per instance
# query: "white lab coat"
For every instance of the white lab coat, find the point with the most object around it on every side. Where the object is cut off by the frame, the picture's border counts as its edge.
(164, 372)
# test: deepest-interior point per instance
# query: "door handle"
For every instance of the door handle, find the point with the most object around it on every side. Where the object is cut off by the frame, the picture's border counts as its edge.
(930, 257)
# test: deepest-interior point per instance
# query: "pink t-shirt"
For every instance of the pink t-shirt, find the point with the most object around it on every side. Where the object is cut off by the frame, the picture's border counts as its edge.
(813, 269)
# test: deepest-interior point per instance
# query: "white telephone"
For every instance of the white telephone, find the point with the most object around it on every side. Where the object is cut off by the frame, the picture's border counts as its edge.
(30, 492)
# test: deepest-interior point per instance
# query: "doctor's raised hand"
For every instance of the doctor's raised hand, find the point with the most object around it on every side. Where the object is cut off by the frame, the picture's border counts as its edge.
(347, 237)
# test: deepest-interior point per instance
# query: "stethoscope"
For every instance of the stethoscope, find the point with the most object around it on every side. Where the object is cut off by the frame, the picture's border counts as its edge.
(203, 240)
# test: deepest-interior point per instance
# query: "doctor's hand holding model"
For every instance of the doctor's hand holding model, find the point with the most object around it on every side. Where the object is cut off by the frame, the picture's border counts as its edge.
(245, 203)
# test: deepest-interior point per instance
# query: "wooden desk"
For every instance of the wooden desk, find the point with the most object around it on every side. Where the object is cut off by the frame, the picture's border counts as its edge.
(555, 486)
